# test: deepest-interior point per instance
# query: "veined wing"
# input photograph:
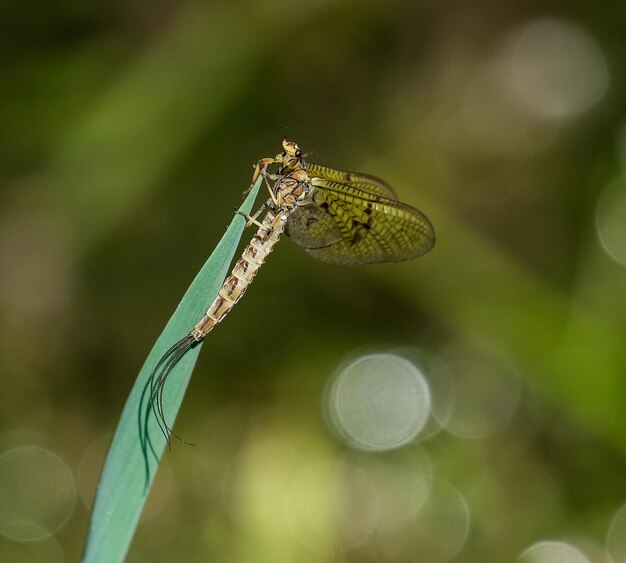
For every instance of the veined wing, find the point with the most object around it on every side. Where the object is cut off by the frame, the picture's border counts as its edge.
(342, 224)
(358, 180)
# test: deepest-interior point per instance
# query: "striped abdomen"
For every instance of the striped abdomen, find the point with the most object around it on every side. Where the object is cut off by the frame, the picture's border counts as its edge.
(244, 271)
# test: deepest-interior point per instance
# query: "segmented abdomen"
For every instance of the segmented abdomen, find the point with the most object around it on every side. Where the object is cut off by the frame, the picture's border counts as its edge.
(242, 274)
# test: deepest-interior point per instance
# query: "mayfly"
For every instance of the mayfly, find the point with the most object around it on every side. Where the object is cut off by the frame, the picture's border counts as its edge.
(338, 217)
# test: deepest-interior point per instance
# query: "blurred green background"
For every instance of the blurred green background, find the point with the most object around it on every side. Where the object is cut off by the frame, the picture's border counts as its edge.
(128, 132)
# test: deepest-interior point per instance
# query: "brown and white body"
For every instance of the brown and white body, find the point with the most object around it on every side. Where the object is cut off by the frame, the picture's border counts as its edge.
(285, 195)
(288, 190)
(242, 274)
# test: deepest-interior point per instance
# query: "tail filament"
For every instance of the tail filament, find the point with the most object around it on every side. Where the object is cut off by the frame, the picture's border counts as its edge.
(159, 377)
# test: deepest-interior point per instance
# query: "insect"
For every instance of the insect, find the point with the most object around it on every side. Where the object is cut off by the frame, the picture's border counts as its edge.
(338, 217)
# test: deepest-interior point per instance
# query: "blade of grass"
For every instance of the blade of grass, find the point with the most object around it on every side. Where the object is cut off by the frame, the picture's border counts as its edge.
(138, 444)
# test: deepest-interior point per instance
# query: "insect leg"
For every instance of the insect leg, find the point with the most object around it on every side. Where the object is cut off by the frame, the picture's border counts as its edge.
(251, 218)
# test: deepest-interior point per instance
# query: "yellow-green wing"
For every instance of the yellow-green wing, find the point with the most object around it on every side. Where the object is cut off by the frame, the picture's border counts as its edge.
(312, 227)
(358, 180)
(352, 226)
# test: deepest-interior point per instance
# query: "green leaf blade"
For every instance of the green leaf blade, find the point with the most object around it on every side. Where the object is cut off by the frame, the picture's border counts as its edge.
(138, 443)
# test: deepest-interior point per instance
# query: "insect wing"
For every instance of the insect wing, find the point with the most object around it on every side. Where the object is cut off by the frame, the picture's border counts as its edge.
(363, 182)
(372, 228)
(311, 227)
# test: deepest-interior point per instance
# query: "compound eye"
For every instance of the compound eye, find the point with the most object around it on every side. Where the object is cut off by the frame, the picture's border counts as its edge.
(298, 153)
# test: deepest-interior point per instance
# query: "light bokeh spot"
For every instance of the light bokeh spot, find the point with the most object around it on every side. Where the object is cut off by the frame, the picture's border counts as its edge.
(477, 393)
(437, 533)
(616, 537)
(553, 552)
(47, 550)
(378, 402)
(37, 491)
(331, 505)
(611, 220)
(558, 69)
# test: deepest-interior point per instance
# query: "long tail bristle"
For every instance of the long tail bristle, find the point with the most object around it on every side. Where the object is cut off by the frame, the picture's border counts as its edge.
(158, 378)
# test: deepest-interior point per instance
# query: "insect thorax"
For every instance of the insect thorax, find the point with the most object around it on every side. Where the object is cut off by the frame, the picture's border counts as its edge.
(291, 188)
